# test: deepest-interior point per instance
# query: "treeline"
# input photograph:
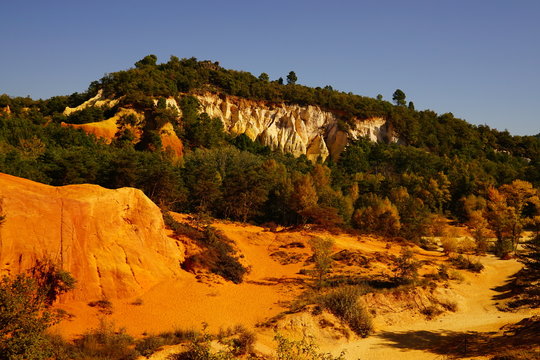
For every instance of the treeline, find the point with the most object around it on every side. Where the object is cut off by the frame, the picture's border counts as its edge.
(441, 134)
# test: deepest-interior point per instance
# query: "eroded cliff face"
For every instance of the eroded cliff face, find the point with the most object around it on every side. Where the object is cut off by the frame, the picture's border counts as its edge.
(296, 129)
(113, 242)
(300, 130)
(107, 129)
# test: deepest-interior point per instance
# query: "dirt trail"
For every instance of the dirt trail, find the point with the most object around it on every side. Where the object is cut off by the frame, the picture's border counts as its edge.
(422, 339)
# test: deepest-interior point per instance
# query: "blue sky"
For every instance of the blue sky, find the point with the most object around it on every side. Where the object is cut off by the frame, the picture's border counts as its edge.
(478, 59)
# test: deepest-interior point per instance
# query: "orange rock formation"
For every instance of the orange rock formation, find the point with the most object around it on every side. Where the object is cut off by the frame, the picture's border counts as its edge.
(112, 241)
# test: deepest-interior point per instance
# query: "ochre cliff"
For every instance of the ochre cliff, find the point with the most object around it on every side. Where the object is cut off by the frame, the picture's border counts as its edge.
(107, 129)
(112, 241)
(299, 130)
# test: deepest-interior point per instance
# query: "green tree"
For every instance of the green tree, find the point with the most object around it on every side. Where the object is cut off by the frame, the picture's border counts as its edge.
(480, 230)
(406, 266)
(379, 216)
(148, 60)
(305, 196)
(25, 311)
(399, 97)
(506, 213)
(245, 185)
(264, 77)
(291, 78)
(322, 256)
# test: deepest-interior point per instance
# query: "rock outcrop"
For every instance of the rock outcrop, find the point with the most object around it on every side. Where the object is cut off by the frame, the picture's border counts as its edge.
(107, 129)
(113, 242)
(299, 130)
(295, 129)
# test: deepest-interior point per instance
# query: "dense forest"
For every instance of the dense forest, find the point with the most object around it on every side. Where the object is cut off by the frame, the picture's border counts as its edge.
(445, 168)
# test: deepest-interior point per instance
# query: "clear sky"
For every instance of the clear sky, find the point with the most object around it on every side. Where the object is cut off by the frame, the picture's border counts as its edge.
(479, 59)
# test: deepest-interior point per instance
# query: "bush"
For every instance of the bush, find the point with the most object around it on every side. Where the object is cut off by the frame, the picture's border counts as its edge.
(150, 344)
(200, 349)
(461, 262)
(304, 349)
(179, 228)
(431, 311)
(104, 343)
(25, 312)
(450, 245)
(406, 267)
(241, 339)
(104, 306)
(449, 305)
(218, 256)
(322, 256)
(243, 344)
(87, 115)
(344, 303)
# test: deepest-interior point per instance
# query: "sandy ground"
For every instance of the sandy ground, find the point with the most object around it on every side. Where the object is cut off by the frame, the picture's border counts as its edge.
(424, 339)
(187, 302)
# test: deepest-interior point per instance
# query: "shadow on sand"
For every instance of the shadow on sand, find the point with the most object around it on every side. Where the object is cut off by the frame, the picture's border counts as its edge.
(465, 344)
(509, 289)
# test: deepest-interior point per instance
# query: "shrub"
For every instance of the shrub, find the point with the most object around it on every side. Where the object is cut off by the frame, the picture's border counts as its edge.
(104, 306)
(406, 267)
(322, 256)
(105, 343)
(25, 311)
(179, 228)
(431, 311)
(449, 305)
(137, 302)
(442, 272)
(304, 349)
(150, 344)
(218, 256)
(449, 245)
(344, 303)
(200, 349)
(455, 275)
(229, 268)
(51, 280)
(464, 263)
(24, 317)
(86, 115)
(244, 340)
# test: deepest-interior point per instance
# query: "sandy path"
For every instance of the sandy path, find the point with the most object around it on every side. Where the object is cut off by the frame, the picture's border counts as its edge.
(423, 339)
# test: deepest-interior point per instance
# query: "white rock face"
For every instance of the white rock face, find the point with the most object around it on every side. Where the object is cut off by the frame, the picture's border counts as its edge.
(97, 101)
(307, 130)
(300, 130)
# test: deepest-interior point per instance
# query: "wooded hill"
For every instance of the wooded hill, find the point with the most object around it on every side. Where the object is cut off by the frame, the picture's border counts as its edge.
(446, 166)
